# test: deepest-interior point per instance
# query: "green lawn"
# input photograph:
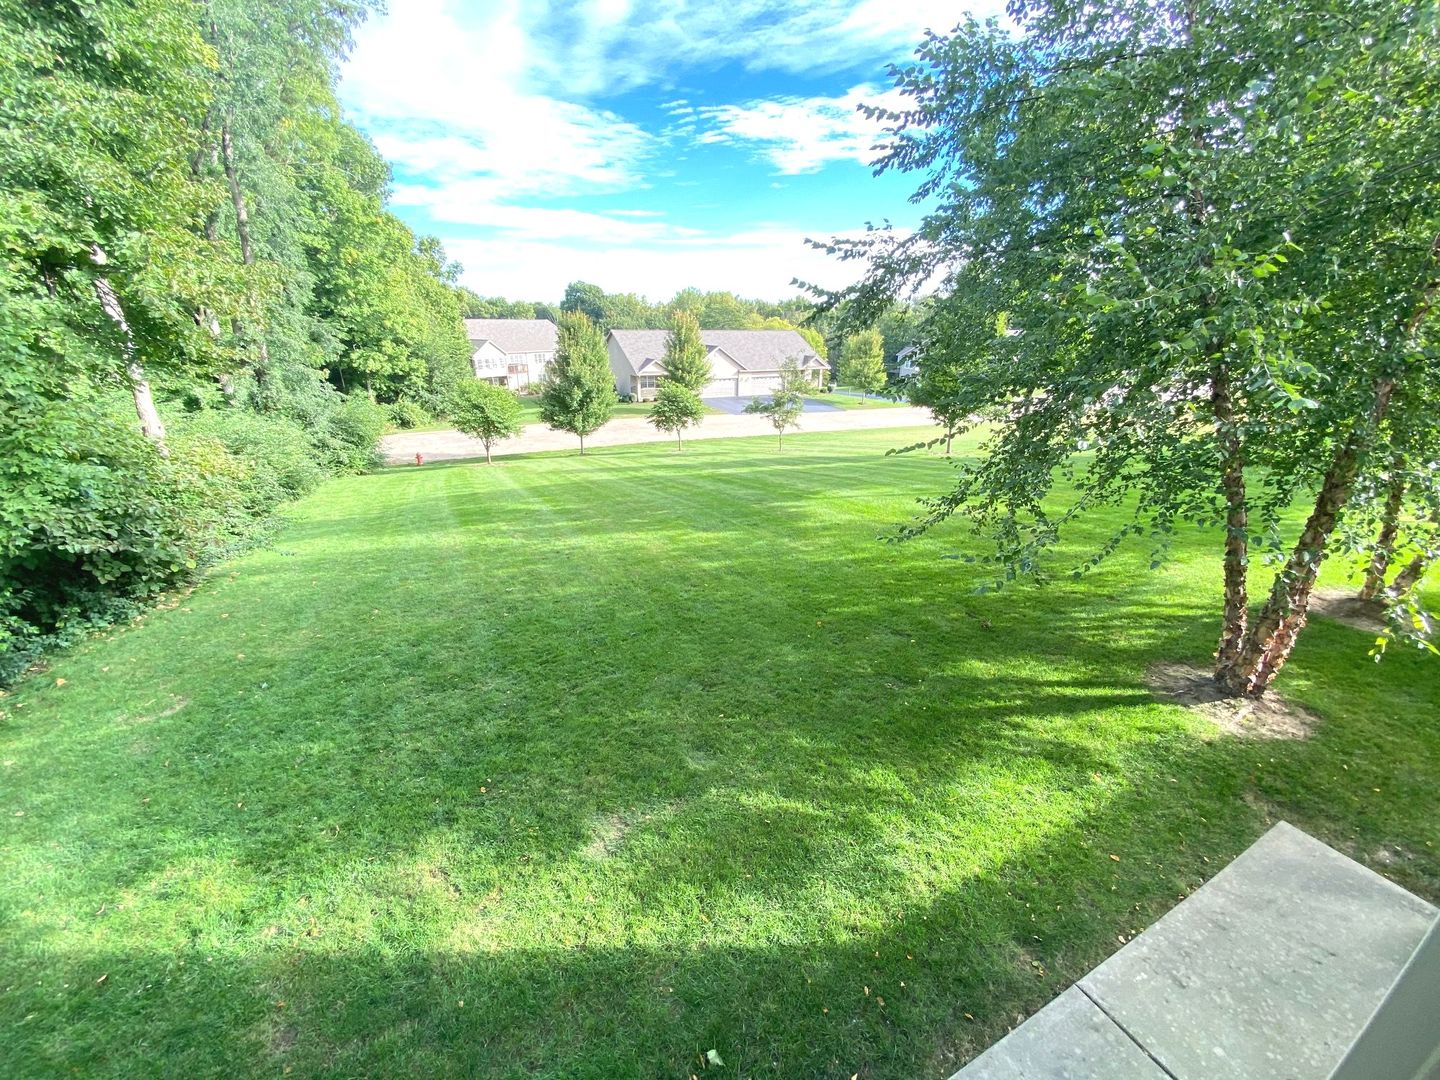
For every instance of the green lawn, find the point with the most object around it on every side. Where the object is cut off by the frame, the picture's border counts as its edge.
(848, 398)
(530, 409)
(530, 414)
(582, 767)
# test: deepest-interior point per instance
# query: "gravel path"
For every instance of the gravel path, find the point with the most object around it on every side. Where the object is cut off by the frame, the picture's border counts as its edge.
(401, 448)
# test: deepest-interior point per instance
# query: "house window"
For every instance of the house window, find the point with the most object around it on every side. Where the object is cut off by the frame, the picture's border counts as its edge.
(649, 382)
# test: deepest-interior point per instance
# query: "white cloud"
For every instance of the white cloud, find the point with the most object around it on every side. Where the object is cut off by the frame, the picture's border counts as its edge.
(800, 135)
(595, 45)
(452, 100)
(485, 112)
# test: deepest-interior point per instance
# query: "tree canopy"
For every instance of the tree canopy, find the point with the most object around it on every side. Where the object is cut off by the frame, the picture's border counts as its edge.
(190, 233)
(579, 391)
(686, 359)
(862, 361)
(1188, 251)
(676, 407)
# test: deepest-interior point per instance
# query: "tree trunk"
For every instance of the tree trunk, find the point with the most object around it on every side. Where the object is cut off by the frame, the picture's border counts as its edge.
(487, 453)
(237, 197)
(679, 444)
(1272, 636)
(1385, 542)
(1409, 577)
(1237, 556)
(949, 438)
(582, 445)
(247, 251)
(151, 426)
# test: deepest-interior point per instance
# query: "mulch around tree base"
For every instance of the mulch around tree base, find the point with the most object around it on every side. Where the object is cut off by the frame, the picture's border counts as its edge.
(1269, 717)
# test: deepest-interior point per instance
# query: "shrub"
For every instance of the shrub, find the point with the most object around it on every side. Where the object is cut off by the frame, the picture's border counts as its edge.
(408, 413)
(94, 521)
(281, 457)
(352, 435)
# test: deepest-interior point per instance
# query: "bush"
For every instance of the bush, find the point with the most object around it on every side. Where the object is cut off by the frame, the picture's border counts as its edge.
(352, 433)
(280, 456)
(408, 413)
(94, 521)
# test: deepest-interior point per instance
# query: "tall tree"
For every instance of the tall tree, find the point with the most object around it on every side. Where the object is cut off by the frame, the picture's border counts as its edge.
(862, 361)
(686, 360)
(579, 391)
(1222, 321)
(585, 298)
(101, 277)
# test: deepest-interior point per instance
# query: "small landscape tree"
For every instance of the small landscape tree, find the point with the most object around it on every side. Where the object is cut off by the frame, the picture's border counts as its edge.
(686, 359)
(676, 407)
(579, 391)
(788, 400)
(862, 361)
(487, 412)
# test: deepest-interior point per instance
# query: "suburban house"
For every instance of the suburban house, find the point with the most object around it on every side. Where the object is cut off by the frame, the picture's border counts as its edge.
(907, 362)
(511, 352)
(743, 363)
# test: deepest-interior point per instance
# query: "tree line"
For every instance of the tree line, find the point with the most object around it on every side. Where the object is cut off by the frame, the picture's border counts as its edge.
(202, 294)
(893, 329)
(1188, 259)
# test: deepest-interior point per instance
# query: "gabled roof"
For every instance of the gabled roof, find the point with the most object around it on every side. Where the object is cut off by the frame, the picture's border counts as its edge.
(513, 335)
(751, 350)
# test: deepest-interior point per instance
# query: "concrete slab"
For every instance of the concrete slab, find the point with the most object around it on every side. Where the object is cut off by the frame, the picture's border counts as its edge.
(1270, 970)
(1069, 1039)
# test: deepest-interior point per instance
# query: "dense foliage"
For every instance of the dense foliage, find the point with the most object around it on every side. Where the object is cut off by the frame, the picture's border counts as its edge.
(189, 234)
(578, 395)
(862, 361)
(1188, 251)
(686, 360)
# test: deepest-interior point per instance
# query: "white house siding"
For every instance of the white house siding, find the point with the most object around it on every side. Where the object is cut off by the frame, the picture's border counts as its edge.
(489, 363)
(620, 368)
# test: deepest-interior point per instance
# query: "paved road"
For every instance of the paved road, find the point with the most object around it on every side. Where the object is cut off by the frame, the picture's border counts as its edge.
(402, 447)
(736, 405)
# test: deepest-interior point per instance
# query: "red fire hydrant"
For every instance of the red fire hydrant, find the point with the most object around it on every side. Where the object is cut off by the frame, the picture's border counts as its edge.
(419, 459)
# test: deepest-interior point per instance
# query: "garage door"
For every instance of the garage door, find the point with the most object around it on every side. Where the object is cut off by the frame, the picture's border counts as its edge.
(720, 388)
(760, 384)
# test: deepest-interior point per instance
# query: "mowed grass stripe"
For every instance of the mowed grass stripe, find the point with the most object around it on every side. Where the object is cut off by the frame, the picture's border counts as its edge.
(585, 766)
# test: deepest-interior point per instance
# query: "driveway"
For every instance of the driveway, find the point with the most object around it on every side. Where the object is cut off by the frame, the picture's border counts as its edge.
(401, 448)
(734, 406)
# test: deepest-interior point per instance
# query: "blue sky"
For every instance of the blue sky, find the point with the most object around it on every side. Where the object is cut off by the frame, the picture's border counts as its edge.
(645, 145)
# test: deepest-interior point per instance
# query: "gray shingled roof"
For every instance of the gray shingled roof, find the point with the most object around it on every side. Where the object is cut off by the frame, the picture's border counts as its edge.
(752, 350)
(513, 335)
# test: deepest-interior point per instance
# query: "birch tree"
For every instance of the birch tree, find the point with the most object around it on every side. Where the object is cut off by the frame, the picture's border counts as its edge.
(1211, 228)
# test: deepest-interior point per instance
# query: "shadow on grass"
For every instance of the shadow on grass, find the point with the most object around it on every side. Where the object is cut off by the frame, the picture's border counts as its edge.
(636, 770)
(915, 994)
